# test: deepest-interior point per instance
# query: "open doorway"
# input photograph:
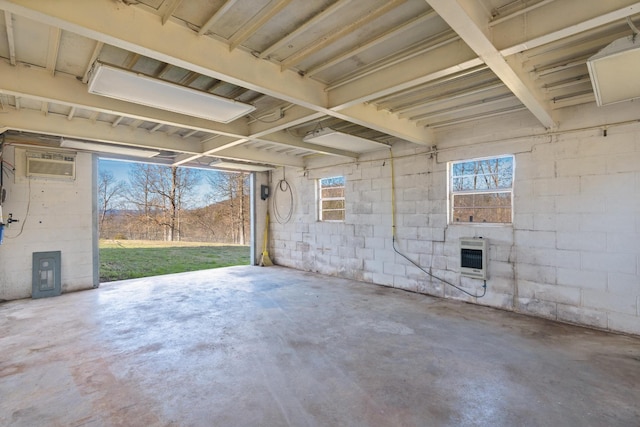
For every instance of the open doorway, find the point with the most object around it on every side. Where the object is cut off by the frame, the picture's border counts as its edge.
(155, 219)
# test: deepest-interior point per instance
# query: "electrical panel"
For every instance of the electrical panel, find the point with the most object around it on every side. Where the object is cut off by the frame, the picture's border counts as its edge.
(473, 257)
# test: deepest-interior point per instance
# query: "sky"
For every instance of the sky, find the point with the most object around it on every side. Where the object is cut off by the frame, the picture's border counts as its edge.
(121, 170)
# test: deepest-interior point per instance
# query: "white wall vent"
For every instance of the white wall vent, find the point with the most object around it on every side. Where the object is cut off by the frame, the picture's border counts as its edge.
(473, 257)
(51, 165)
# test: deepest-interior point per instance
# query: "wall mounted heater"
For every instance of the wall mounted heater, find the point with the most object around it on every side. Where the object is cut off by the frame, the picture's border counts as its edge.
(51, 165)
(473, 257)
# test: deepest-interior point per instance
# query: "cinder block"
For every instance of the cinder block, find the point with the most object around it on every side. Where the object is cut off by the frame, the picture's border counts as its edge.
(408, 284)
(496, 269)
(609, 262)
(557, 293)
(416, 193)
(582, 316)
(373, 266)
(498, 300)
(624, 242)
(540, 204)
(384, 255)
(536, 273)
(361, 207)
(544, 222)
(538, 308)
(607, 222)
(627, 162)
(535, 239)
(609, 302)
(624, 323)
(382, 279)
(374, 195)
(621, 184)
(594, 242)
(581, 166)
(363, 230)
(375, 243)
(567, 222)
(582, 203)
(346, 252)
(523, 221)
(556, 186)
(624, 284)
(501, 285)
(430, 286)
(419, 246)
(529, 166)
(415, 220)
(595, 280)
(535, 256)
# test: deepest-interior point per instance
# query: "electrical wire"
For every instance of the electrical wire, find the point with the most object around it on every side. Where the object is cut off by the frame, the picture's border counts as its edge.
(282, 187)
(280, 116)
(393, 241)
(26, 215)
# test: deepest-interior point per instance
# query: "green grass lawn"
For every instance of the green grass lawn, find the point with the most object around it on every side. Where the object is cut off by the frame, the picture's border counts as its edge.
(130, 259)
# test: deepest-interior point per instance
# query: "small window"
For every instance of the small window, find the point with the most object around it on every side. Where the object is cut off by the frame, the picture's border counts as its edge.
(481, 190)
(331, 199)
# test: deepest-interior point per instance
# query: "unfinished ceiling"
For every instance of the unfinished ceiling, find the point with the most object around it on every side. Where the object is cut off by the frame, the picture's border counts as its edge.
(383, 70)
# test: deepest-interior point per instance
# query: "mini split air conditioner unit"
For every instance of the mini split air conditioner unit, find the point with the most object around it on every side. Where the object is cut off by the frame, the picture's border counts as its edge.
(51, 165)
(473, 257)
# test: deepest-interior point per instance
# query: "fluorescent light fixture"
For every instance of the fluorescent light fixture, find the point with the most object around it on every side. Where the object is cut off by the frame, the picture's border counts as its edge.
(108, 148)
(614, 71)
(328, 137)
(240, 166)
(140, 89)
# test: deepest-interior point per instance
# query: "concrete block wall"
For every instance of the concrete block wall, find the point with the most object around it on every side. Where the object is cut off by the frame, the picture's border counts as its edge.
(54, 215)
(572, 253)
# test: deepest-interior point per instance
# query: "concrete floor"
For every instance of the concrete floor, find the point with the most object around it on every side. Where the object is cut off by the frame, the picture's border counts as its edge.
(251, 346)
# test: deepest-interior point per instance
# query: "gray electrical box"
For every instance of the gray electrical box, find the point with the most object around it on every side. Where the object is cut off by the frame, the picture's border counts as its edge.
(46, 281)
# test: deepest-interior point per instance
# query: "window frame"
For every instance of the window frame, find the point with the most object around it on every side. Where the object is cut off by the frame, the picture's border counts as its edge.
(451, 193)
(321, 199)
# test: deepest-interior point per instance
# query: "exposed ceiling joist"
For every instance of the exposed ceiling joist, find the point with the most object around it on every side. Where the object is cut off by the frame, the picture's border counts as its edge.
(8, 22)
(335, 7)
(168, 7)
(37, 84)
(319, 44)
(283, 139)
(514, 36)
(128, 28)
(55, 124)
(54, 47)
(470, 29)
(94, 56)
(293, 116)
(420, 20)
(217, 15)
(271, 10)
(448, 57)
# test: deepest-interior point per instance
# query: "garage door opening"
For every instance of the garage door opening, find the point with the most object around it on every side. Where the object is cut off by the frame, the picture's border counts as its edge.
(155, 219)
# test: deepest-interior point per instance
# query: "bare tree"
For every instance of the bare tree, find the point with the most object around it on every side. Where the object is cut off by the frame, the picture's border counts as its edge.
(159, 194)
(110, 192)
(232, 188)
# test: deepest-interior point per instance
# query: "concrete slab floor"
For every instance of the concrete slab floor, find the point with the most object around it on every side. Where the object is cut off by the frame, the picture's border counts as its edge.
(251, 346)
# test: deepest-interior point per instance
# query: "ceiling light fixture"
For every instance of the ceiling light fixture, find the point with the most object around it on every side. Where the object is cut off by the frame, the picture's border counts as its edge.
(240, 166)
(133, 87)
(332, 138)
(108, 148)
(614, 71)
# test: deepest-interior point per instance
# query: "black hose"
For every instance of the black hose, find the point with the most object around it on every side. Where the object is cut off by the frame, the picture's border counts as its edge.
(484, 287)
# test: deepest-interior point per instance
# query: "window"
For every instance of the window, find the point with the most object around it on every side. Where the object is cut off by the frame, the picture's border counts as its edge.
(331, 199)
(481, 190)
